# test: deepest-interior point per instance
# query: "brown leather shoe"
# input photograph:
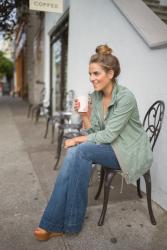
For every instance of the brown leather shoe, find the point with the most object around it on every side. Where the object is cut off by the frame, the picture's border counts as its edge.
(41, 234)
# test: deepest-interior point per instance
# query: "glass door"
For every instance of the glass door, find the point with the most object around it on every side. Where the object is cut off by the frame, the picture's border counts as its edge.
(59, 50)
(56, 76)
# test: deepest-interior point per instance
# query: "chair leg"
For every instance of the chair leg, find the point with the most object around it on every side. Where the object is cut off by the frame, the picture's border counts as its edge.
(92, 174)
(47, 127)
(32, 112)
(108, 176)
(53, 132)
(59, 147)
(147, 178)
(29, 110)
(101, 183)
(138, 188)
(37, 114)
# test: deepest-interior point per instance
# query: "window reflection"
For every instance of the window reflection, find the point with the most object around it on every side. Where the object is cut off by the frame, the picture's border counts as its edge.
(59, 69)
(56, 75)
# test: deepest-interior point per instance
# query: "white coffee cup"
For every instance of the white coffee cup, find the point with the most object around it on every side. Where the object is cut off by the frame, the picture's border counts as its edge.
(83, 100)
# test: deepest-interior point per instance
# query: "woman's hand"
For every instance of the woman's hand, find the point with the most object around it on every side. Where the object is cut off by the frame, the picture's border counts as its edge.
(84, 115)
(77, 106)
(69, 143)
(74, 141)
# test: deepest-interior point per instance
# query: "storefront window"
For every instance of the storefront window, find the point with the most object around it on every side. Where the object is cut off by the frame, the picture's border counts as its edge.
(56, 75)
(59, 48)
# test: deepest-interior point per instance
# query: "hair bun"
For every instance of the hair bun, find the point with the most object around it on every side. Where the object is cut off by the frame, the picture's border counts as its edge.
(103, 50)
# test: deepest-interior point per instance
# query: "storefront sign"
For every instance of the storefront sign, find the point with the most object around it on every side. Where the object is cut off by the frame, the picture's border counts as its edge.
(47, 5)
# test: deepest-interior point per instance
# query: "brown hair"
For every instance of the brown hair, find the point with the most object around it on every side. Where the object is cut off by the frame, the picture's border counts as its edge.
(105, 58)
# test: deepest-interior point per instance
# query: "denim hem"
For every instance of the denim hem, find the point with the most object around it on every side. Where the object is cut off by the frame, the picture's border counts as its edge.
(59, 228)
(72, 228)
(50, 227)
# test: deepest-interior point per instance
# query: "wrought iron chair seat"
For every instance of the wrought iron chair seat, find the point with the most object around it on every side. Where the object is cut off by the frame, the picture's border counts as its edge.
(152, 124)
(59, 119)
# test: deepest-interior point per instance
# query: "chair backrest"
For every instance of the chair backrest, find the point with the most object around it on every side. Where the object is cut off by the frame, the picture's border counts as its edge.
(69, 100)
(153, 121)
(42, 95)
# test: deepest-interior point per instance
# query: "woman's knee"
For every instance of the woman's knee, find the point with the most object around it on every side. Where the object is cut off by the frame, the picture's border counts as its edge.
(85, 149)
(71, 151)
(69, 160)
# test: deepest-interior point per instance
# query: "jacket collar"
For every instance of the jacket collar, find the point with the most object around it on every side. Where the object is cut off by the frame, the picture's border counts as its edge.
(114, 94)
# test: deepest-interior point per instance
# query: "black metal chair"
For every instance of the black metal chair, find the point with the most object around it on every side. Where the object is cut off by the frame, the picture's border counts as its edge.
(60, 117)
(37, 108)
(152, 124)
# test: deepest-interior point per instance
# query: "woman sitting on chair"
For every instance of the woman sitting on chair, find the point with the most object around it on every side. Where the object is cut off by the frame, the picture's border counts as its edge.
(116, 139)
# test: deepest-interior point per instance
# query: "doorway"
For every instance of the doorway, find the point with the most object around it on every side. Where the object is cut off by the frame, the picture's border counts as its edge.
(59, 51)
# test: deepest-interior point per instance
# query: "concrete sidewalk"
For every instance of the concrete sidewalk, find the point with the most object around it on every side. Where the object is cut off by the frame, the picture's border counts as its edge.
(27, 178)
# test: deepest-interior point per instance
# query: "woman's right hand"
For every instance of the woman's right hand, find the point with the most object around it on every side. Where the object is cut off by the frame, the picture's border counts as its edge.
(84, 115)
(76, 105)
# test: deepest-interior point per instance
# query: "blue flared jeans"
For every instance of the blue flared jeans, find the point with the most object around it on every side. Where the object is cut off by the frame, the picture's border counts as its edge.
(66, 208)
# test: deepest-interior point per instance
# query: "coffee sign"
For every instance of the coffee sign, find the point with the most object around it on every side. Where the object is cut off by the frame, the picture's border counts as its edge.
(47, 5)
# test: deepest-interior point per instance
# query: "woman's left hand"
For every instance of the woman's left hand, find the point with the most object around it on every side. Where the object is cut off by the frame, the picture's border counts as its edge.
(69, 143)
(74, 141)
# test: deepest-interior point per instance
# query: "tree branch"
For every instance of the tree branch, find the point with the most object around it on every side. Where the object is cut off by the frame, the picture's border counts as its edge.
(8, 9)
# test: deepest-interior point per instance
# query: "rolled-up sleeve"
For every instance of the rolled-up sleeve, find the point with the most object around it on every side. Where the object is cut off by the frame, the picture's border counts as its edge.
(117, 122)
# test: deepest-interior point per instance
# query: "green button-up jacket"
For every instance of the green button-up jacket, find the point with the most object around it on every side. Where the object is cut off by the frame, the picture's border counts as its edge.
(122, 128)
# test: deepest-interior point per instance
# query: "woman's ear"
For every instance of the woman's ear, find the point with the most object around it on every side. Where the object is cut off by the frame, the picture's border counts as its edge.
(111, 74)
